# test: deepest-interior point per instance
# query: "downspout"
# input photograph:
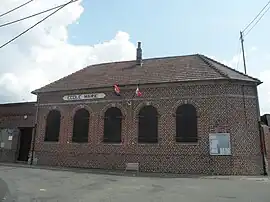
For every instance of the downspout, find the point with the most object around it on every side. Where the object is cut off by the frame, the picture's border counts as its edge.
(34, 132)
(262, 139)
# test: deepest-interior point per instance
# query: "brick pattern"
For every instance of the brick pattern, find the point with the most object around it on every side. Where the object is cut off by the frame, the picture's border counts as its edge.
(220, 107)
(13, 115)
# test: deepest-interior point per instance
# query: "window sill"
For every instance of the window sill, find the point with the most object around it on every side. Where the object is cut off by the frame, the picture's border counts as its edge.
(111, 143)
(149, 144)
(51, 142)
(79, 143)
(156, 141)
(188, 143)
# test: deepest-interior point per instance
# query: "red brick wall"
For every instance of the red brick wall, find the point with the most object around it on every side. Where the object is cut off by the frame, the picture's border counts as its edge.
(220, 108)
(12, 115)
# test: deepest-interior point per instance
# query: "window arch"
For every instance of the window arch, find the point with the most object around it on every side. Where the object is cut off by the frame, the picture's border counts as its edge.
(186, 123)
(53, 126)
(112, 125)
(80, 126)
(148, 125)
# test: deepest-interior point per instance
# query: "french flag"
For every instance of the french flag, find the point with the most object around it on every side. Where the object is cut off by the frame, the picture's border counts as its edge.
(138, 92)
(116, 90)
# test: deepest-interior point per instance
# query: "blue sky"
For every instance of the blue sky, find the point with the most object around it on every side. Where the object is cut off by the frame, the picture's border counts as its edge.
(74, 38)
(174, 27)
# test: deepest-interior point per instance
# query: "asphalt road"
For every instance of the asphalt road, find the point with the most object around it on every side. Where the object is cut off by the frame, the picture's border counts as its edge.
(3, 189)
(28, 185)
(4, 192)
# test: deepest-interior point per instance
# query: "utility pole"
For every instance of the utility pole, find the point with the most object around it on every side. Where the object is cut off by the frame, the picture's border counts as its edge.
(243, 51)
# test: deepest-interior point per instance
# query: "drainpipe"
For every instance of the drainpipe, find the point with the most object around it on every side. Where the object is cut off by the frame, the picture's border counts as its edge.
(262, 139)
(34, 132)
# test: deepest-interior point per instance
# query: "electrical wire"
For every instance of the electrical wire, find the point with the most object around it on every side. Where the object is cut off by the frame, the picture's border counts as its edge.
(245, 34)
(256, 16)
(30, 16)
(238, 56)
(3, 14)
(72, 1)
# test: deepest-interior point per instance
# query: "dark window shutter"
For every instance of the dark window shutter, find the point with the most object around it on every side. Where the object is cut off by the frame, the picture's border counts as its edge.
(148, 125)
(52, 126)
(80, 126)
(112, 125)
(186, 123)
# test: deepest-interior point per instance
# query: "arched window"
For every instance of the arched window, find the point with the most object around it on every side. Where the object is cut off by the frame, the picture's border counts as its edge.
(112, 125)
(186, 123)
(80, 126)
(148, 125)
(53, 126)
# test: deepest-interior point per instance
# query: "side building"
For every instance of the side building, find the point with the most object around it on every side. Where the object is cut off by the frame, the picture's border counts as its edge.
(17, 121)
(265, 125)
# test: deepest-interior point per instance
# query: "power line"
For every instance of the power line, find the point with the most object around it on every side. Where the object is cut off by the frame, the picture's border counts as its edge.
(238, 59)
(256, 16)
(238, 54)
(72, 1)
(30, 16)
(257, 21)
(1, 15)
(244, 33)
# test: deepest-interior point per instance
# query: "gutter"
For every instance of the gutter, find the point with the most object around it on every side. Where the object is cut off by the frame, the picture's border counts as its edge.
(34, 132)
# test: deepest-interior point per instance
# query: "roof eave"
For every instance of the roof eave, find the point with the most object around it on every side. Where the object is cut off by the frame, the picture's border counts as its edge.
(34, 92)
(259, 83)
(37, 91)
(41, 91)
(203, 57)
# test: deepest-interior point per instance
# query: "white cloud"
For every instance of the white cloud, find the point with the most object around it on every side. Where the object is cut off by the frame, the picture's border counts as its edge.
(258, 65)
(44, 54)
(254, 48)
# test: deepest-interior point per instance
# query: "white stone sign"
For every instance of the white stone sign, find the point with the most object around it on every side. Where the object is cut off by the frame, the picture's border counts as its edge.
(84, 96)
(219, 144)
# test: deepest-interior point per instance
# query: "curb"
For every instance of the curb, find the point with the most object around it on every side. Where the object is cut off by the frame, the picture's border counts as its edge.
(133, 174)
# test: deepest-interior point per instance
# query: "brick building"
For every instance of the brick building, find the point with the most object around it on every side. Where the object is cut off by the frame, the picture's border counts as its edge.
(82, 122)
(266, 119)
(265, 124)
(16, 118)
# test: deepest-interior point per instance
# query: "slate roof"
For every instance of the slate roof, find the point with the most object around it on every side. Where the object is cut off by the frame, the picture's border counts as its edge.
(154, 70)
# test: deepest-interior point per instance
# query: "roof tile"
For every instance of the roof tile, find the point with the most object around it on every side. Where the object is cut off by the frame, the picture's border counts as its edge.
(154, 70)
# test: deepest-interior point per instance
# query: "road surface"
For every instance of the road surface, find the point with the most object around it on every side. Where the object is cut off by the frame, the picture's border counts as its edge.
(4, 192)
(28, 185)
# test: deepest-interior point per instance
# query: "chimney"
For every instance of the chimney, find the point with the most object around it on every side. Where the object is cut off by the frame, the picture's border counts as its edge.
(139, 54)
